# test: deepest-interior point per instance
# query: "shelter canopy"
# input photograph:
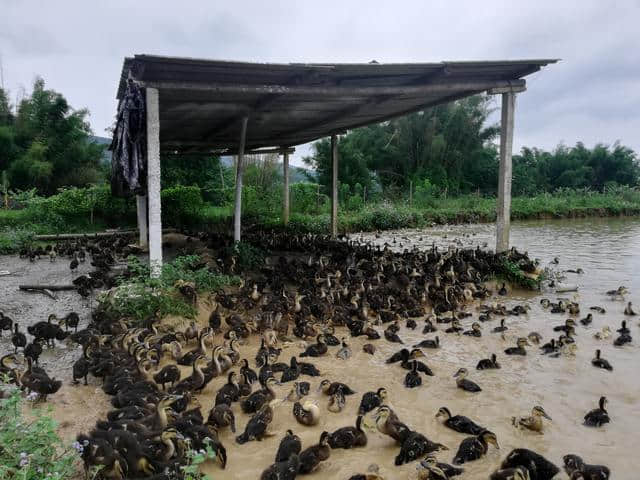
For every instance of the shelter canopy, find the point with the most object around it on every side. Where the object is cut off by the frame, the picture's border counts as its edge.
(202, 102)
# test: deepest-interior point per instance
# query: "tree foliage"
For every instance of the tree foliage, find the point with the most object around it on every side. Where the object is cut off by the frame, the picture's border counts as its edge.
(47, 145)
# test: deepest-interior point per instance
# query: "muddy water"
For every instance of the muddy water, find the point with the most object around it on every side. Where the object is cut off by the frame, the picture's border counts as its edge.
(609, 253)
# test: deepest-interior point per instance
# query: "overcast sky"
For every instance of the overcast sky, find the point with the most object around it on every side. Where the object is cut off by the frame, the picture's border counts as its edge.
(592, 95)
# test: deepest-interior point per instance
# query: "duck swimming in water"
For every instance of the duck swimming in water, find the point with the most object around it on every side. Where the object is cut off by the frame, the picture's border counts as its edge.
(459, 423)
(628, 310)
(598, 416)
(532, 422)
(413, 378)
(587, 320)
(501, 328)
(429, 343)
(568, 324)
(603, 334)
(598, 309)
(488, 363)
(623, 328)
(349, 437)
(372, 400)
(517, 473)
(431, 469)
(535, 464)
(600, 362)
(476, 330)
(576, 468)
(463, 383)
(519, 348)
(550, 347)
(472, 448)
(317, 349)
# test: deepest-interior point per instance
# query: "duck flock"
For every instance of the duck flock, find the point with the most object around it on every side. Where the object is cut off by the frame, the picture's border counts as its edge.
(296, 309)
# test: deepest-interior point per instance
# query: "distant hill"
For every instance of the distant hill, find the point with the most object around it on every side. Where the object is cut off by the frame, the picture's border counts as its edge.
(106, 155)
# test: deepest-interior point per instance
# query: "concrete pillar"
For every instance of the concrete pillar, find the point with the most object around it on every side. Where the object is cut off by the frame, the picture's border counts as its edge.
(237, 212)
(285, 192)
(503, 221)
(141, 207)
(153, 181)
(334, 185)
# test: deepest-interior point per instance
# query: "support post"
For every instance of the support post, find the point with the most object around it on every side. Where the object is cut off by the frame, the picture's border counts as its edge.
(285, 193)
(153, 181)
(141, 207)
(503, 221)
(237, 213)
(334, 185)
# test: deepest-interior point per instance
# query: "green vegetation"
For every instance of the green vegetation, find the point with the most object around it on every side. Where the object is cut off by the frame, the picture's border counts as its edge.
(140, 297)
(30, 448)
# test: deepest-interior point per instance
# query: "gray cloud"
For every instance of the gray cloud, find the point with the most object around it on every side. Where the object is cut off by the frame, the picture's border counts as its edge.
(592, 95)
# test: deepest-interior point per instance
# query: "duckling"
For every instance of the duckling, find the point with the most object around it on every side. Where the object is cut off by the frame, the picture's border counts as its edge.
(284, 470)
(503, 290)
(431, 469)
(330, 338)
(168, 374)
(429, 343)
(413, 378)
(619, 292)
(317, 349)
(258, 399)
(568, 324)
(517, 473)
(601, 362)
(574, 308)
(488, 363)
(307, 414)
(472, 448)
(256, 428)
(39, 381)
(349, 437)
(292, 372)
(501, 328)
(391, 334)
(230, 391)
(550, 347)
(519, 348)
(455, 327)
(337, 402)
(18, 339)
(532, 422)
(247, 372)
(459, 423)
(416, 445)
(6, 323)
(539, 467)
(221, 416)
(573, 464)
(345, 352)
(598, 416)
(387, 423)
(587, 320)
(289, 445)
(372, 400)
(33, 350)
(535, 338)
(299, 390)
(428, 327)
(369, 348)
(623, 328)
(329, 388)
(476, 330)
(603, 334)
(463, 383)
(623, 339)
(194, 381)
(311, 457)
(373, 473)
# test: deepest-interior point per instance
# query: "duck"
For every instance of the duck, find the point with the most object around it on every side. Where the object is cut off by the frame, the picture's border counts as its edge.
(18, 339)
(598, 416)
(519, 348)
(387, 423)
(34, 350)
(373, 473)
(168, 374)
(463, 383)
(598, 309)
(455, 327)
(311, 457)
(476, 330)
(568, 325)
(603, 334)
(532, 422)
(337, 402)
(501, 328)
(550, 347)
(538, 467)
(390, 333)
(306, 414)
(292, 372)
(619, 292)
(284, 470)
(472, 448)
(230, 391)
(503, 290)
(289, 445)
(299, 390)
(369, 348)
(247, 372)
(345, 351)
(256, 428)
(429, 343)
(413, 378)
(623, 339)
(534, 337)
(317, 349)
(193, 382)
(39, 382)
(623, 328)
(415, 446)
(349, 437)
(577, 468)
(6, 323)
(428, 327)
(431, 469)
(459, 423)
(517, 473)
(329, 388)
(600, 362)
(372, 400)
(221, 416)
(259, 398)
(488, 363)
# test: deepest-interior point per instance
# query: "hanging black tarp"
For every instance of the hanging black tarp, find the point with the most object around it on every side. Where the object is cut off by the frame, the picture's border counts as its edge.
(129, 145)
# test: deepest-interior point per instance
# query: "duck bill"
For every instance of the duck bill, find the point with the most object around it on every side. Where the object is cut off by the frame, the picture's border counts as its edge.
(547, 417)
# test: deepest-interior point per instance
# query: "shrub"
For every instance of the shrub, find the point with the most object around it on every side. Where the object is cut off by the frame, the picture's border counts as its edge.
(182, 206)
(12, 240)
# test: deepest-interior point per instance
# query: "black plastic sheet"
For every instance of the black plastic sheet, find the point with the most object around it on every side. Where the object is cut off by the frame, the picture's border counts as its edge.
(129, 145)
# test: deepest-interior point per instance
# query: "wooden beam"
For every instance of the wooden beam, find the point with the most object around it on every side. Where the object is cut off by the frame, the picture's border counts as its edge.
(237, 214)
(501, 90)
(218, 152)
(336, 91)
(285, 192)
(334, 185)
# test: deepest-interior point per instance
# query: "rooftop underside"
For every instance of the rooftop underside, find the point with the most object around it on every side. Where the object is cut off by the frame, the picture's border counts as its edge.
(203, 101)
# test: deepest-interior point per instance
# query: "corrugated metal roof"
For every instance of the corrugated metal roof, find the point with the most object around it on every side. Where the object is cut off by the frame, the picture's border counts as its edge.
(203, 101)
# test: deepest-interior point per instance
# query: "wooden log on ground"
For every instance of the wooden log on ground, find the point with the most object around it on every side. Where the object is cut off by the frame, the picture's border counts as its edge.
(53, 288)
(73, 236)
